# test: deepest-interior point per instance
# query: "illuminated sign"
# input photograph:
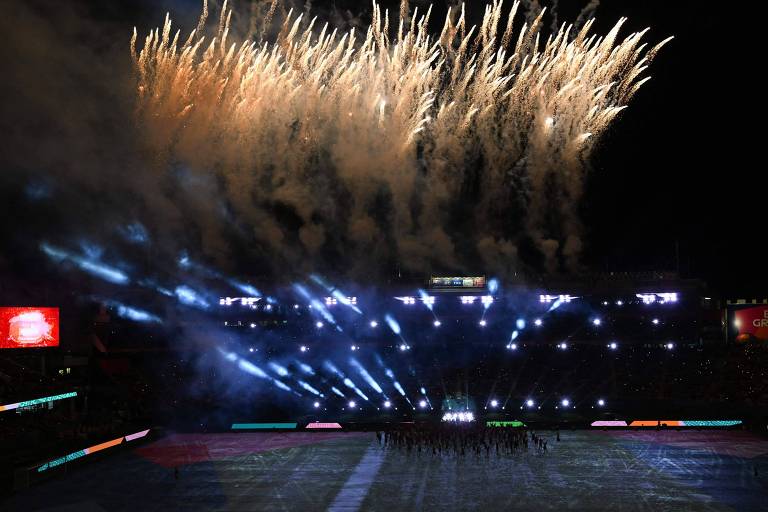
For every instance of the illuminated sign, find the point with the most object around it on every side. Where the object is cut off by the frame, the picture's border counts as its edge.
(751, 323)
(667, 423)
(685, 423)
(317, 424)
(513, 423)
(137, 435)
(457, 282)
(37, 401)
(261, 426)
(29, 327)
(88, 451)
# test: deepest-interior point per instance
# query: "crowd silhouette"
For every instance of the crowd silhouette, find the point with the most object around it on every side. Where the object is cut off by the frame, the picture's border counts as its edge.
(462, 440)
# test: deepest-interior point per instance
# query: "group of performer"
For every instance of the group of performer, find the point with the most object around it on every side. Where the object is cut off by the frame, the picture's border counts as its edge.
(461, 440)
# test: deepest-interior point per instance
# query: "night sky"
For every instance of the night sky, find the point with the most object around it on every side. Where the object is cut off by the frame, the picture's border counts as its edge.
(671, 186)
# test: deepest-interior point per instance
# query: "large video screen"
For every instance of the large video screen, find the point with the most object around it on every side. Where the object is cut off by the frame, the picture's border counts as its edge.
(749, 323)
(29, 327)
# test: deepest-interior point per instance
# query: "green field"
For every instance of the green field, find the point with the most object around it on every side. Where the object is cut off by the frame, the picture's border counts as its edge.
(587, 470)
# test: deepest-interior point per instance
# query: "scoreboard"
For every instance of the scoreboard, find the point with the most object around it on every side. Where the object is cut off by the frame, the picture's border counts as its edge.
(457, 282)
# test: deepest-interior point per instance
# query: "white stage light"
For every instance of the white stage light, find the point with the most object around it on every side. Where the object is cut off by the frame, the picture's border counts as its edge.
(403, 347)
(601, 402)
(317, 405)
(512, 346)
(596, 321)
(250, 349)
(529, 403)
(303, 348)
(619, 303)
(494, 403)
(253, 325)
(423, 404)
(670, 346)
(387, 404)
(352, 404)
(520, 323)
(374, 323)
(565, 402)
(563, 346)
(613, 345)
(655, 321)
(483, 323)
(537, 322)
(353, 347)
(437, 323)
(319, 325)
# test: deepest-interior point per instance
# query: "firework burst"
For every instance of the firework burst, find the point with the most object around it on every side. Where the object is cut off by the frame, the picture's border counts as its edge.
(396, 107)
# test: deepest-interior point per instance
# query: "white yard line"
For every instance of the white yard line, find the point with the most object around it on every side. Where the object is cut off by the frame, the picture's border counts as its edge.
(358, 484)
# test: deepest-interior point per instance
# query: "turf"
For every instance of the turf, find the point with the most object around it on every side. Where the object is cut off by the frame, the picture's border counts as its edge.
(587, 470)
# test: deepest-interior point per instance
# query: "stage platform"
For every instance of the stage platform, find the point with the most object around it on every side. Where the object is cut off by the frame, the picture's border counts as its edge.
(586, 471)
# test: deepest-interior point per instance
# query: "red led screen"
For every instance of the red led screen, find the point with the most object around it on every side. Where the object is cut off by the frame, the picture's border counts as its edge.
(29, 327)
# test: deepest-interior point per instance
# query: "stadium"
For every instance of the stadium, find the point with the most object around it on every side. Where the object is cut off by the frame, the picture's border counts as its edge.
(287, 255)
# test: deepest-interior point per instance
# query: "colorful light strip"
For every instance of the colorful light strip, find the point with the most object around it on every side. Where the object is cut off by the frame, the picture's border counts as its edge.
(317, 424)
(711, 423)
(656, 423)
(137, 435)
(36, 401)
(514, 423)
(667, 423)
(91, 449)
(261, 426)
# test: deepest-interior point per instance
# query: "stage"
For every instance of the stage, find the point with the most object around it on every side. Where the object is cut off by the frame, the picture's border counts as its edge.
(587, 470)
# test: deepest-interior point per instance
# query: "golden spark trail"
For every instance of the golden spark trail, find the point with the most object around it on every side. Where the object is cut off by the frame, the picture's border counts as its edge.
(395, 106)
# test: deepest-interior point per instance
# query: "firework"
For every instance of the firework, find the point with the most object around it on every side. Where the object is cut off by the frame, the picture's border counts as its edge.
(395, 107)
